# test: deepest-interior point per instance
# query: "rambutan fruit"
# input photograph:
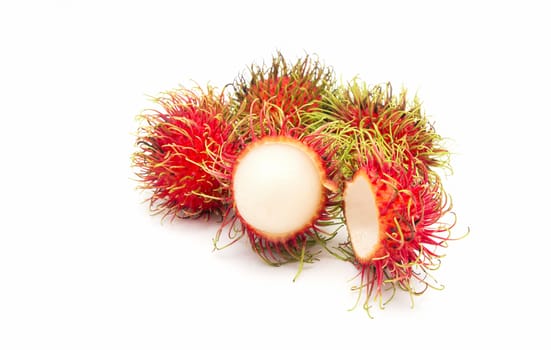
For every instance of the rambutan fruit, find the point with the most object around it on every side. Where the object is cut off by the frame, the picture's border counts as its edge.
(399, 122)
(281, 185)
(285, 86)
(394, 212)
(173, 146)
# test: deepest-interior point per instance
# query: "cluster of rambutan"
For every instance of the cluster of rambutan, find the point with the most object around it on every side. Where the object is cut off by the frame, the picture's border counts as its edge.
(286, 157)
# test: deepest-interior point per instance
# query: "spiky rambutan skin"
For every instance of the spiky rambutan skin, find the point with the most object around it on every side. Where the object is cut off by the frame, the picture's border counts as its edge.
(412, 208)
(397, 122)
(272, 125)
(173, 152)
(288, 87)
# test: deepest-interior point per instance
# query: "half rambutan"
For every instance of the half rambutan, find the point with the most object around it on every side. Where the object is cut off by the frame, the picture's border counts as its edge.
(395, 215)
(284, 86)
(280, 184)
(173, 152)
(399, 122)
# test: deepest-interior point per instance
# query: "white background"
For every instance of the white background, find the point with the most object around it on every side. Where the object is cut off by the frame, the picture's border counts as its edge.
(84, 266)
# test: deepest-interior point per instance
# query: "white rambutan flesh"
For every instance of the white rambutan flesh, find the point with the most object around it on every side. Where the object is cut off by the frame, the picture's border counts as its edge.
(278, 187)
(362, 216)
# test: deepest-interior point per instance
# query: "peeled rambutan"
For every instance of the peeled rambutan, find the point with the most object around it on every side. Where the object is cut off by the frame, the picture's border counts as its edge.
(285, 86)
(173, 152)
(399, 122)
(281, 185)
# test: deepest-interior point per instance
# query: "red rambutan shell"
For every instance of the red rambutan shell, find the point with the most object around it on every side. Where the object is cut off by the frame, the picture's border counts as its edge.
(174, 152)
(409, 209)
(398, 123)
(288, 87)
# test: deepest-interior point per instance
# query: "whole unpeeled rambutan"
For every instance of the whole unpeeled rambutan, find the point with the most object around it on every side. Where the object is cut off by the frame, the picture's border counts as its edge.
(174, 145)
(284, 86)
(281, 187)
(401, 124)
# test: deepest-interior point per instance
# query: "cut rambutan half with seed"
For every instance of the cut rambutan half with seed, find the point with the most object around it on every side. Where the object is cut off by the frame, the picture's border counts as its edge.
(282, 188)
(401, 124)
(289, 87)
(173, 155)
